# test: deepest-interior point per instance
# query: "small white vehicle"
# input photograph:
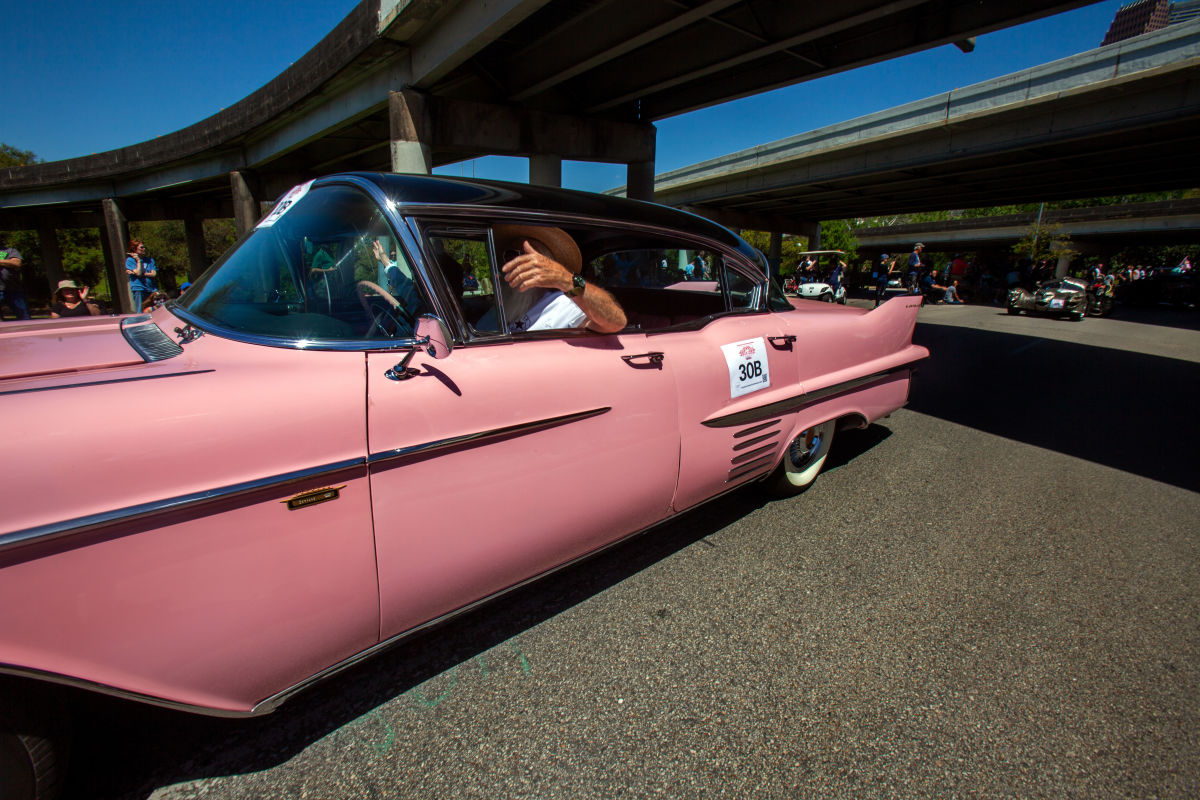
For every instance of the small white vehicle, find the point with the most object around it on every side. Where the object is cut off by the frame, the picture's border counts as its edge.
(813, 285)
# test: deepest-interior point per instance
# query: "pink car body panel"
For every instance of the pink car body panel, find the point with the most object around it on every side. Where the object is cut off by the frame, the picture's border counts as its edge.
(470, 521)
(162, 607)
(148, 541)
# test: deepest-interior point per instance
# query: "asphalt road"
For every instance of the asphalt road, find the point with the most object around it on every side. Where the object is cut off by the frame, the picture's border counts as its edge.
(995, 592)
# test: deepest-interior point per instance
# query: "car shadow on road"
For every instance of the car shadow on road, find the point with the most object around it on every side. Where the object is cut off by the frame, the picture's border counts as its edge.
(1126, 410)
(126, 751)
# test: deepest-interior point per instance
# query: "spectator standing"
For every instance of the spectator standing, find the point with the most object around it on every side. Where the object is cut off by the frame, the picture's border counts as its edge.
(835, 276)
(914, 267)
(70, 300)
(11, 294)
(142, 272)
(881, 278)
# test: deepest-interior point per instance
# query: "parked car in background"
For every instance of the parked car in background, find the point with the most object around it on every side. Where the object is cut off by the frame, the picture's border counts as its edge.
(1063, 297)
(360, 445)
(1164, 285)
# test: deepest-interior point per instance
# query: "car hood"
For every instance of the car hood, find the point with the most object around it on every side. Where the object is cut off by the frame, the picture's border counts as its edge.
(54, 347)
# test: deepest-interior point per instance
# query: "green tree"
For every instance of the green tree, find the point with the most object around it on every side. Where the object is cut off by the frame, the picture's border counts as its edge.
(12, 157)
(1045, 241)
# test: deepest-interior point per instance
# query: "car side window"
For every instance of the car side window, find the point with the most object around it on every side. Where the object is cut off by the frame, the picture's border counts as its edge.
(462, 258)
(663, 287)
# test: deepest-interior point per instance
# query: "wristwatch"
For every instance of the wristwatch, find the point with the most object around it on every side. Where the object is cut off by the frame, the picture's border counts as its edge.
(577, 287)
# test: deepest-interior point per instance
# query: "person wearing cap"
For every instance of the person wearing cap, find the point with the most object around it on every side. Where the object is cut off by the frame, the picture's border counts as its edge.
(183, 287)
(543, 288)
(70, 300)
(881, 278)
(914, 267)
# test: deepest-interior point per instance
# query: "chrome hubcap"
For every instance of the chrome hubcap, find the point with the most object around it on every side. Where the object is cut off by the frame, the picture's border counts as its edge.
(803, 447)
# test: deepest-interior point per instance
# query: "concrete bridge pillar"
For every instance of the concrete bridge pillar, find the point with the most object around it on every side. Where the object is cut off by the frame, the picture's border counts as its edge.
(545, 170)
(193, 229)
(51, 255)
(247, 207)
(812, 232)
(775, 253)
(411, 132)
(114, 237)
(639, 180)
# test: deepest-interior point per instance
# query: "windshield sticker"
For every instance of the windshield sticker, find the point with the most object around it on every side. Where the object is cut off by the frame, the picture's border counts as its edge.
(286, 202)
(747, 363)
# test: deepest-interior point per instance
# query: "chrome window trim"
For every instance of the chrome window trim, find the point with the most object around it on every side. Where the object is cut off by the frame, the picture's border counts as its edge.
(56, 530)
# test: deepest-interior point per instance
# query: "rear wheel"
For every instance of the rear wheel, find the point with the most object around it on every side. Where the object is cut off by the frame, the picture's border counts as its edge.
(32, 748)
(1014, 310)
(802, 461)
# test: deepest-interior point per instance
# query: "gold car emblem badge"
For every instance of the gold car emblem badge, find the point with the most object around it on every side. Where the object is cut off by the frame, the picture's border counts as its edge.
(313, 497)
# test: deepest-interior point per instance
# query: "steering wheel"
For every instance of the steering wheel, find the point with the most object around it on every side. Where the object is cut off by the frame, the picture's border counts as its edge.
(395, 314)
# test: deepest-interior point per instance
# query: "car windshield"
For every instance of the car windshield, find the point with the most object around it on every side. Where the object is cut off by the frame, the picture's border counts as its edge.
(328, 267)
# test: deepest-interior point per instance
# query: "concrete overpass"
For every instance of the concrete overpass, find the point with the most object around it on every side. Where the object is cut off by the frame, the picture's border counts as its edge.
(407, 85)
(1103, 227)
(1121, 119)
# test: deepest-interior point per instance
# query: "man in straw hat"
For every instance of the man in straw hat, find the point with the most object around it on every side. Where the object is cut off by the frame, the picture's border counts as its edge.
(541, 266)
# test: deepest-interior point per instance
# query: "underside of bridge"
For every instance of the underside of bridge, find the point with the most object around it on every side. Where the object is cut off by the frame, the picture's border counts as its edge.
(409, 85)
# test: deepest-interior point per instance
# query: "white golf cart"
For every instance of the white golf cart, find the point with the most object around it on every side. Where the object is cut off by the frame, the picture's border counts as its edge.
(813, 283)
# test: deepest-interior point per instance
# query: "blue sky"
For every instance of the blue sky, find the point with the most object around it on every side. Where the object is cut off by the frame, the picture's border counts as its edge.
(100, 75)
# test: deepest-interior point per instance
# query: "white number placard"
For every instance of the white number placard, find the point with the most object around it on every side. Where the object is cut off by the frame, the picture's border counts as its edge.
(286, 202)
(748, 371)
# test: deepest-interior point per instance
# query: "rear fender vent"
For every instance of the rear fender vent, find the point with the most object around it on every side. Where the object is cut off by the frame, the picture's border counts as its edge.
(149, 340)
(754, 449)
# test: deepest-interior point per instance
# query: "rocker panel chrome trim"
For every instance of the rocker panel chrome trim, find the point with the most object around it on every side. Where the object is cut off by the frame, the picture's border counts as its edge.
(480, 437)
(83, 384)
(801, 400)
(82, 524)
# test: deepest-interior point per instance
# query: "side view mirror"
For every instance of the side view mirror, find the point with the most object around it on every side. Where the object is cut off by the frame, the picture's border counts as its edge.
(433, 337)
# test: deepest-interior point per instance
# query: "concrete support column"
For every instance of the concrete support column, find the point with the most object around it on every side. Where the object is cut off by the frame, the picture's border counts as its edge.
(51, 255)
(193, 228)
(812, 232)
(1064, 264)
(115, 238)
(775, 253)
(410, 126)
(545, 170)
(639, 180)
(245, 200)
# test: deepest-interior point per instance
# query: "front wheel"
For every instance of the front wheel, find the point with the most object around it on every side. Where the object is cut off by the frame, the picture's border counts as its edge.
(1014, 310)
(802, 460)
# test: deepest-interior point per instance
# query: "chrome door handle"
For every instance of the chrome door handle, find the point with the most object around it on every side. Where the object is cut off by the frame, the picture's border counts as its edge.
(653, 359)
(781, 341)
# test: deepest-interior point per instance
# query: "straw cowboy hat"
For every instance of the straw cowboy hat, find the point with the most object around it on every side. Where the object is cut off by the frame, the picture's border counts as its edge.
(561, 245)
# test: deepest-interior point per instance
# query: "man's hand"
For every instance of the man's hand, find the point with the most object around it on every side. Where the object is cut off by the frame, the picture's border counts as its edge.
(533, 270)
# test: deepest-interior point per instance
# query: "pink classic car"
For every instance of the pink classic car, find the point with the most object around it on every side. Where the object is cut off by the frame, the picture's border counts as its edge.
(352, 427)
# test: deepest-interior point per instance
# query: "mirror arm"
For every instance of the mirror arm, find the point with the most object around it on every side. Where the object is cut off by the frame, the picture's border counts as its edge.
(402, 371)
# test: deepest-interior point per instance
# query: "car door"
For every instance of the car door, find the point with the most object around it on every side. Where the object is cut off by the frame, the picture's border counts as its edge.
(510, 457)
(726, 372)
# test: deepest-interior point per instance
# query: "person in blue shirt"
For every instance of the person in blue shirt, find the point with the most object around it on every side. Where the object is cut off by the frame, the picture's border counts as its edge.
(142, 272)
(914, 267)
(11, 294)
